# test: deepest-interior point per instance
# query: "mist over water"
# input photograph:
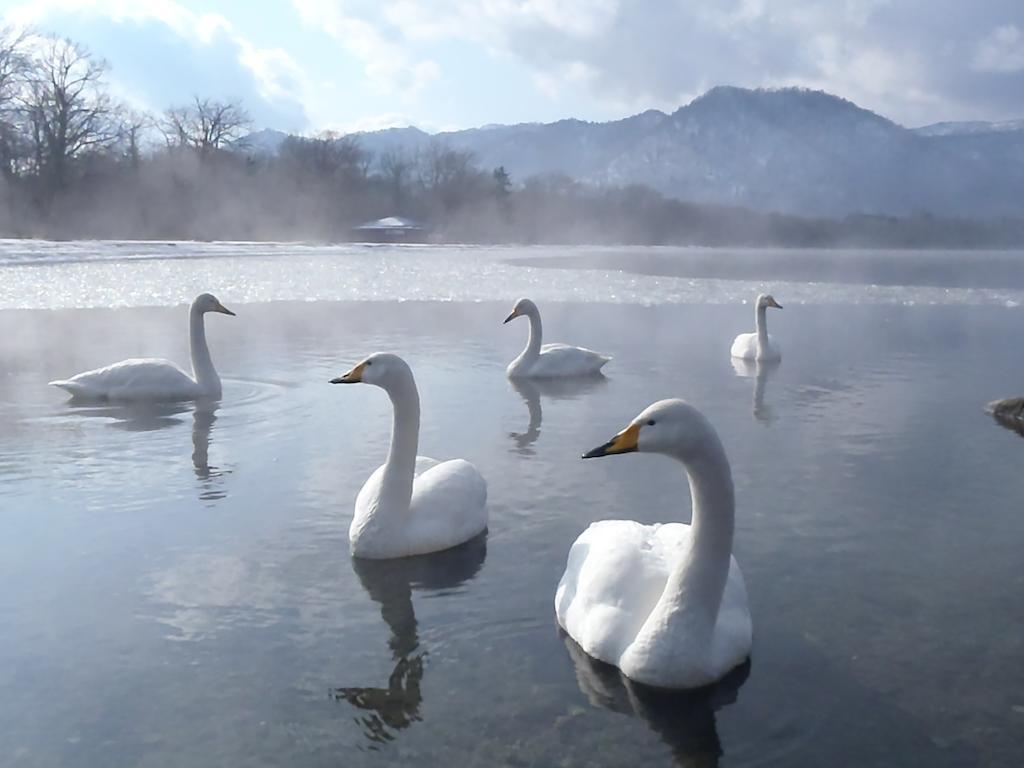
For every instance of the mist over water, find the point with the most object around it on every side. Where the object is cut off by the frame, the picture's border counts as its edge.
(43, 274)
(176, 583)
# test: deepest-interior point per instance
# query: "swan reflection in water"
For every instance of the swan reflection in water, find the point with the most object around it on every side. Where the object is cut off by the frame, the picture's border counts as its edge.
(203, 418)
(760, 371)
(390, 583)
(685, 720)
(559, 389)
(133, 417)
(154, 416)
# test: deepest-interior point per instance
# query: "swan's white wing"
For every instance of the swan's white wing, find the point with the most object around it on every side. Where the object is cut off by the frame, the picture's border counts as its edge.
(615, 574)
(449, 506)
(371, 488)
(745, 347)
(134, 379)
(423, 463)
(565, 360)
(733, 629)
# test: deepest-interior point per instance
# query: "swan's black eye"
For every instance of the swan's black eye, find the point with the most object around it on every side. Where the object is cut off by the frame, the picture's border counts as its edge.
(369, 362)
(650, 422)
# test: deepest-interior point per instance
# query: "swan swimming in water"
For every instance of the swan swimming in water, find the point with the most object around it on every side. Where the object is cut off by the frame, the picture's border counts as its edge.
(155, 379)
(758, 345)
(665, 603)
(549, 360)
(411, 504)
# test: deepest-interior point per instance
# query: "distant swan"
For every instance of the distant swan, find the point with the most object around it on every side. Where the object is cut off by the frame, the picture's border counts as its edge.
(550, 360)
(758, 345)
(154, 379)
(411, 504)
(666, 603)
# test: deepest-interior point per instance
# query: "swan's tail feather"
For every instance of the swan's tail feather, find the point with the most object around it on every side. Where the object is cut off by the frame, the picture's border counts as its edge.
(73, 388)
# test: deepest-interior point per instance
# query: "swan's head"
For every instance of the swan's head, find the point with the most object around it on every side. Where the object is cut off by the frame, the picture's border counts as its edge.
(673, 427)
(522, 307)
(767, 300)
(380, 368)
(207, 302)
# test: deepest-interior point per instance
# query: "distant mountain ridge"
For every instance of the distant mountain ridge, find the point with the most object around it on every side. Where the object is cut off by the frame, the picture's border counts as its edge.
(788, 150)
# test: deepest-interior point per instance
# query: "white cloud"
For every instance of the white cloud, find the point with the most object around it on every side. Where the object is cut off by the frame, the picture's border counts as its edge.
(909, 60)
(914, 61)
(495, 21)
(388, 65)
(230, 66)
(1001, 51)
(276, 72)
(572, 74)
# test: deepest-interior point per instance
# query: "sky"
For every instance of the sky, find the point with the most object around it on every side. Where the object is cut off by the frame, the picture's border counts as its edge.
(306, 66)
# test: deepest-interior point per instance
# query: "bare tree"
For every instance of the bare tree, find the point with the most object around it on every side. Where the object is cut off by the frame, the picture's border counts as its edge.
(133, 128)
(448, 174)
(13, 67)
(205, 124)
(67, 107)
(13, 63)
(396, 168)
(326, 157)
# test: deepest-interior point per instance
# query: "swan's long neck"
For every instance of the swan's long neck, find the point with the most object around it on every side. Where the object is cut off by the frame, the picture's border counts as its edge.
(202, 366)
(532, 351)
(761, 324)
(400, 468)
(694, 589)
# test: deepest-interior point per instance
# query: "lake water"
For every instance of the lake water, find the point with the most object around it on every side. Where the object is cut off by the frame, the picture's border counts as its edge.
(175, 586)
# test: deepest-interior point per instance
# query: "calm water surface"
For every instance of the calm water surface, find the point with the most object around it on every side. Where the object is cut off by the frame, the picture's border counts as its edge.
(175, 587)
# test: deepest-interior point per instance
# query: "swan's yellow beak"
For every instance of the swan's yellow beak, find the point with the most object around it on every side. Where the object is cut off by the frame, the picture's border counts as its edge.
(624, 442)
(352, 377)
(223, 310)
(511, 316)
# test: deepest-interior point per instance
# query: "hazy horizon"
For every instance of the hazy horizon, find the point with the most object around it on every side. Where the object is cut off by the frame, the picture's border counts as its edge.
(1013, 123)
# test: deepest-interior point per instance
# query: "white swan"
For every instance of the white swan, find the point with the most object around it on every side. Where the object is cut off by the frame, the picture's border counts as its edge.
(758, 345)
(550, 360)
(411, 505)
(666, 603)
(155, 379)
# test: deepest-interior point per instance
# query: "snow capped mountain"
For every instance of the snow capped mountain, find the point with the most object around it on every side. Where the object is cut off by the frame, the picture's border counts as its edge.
(265, 142)
(969, 127)
(788, 150)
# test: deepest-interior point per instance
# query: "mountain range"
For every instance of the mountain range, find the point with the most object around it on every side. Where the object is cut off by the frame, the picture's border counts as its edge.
(787, 150)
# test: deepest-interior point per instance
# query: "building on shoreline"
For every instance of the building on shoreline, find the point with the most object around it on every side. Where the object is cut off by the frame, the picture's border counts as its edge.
(391, 229)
